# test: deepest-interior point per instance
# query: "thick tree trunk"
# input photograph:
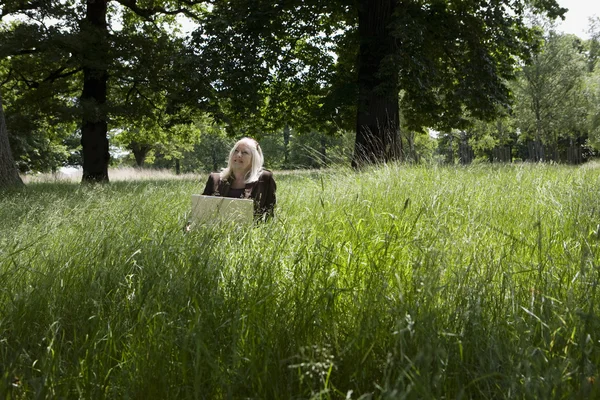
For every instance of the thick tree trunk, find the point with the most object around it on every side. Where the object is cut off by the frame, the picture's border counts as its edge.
(94, 128)
(377, 114)
(9, 175)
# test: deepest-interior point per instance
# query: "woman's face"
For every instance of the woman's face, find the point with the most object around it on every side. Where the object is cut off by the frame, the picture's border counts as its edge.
(241, 160)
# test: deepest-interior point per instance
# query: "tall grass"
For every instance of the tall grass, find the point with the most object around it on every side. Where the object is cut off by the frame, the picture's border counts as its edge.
(395, 282)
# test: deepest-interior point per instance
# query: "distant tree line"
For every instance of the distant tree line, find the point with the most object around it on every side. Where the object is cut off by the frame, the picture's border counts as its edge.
(81, 80)
(554, 115)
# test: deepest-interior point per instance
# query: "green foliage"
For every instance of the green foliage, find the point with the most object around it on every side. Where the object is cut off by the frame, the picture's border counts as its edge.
(270, 63)
(550, 104)
(44, 52)
(593, 94)
(40, 111)
(424, 148)
(485, 137)
(257, 67)
(594, 43)
(552, 117)
(37, 146)
(295, 63)
(593, 86)
(476, 282)
(315, 150)
(210, 152)
(305, 150)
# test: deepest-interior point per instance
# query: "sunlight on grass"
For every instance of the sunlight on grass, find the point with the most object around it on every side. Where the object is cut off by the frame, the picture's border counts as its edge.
(393, 282)
(115, 175)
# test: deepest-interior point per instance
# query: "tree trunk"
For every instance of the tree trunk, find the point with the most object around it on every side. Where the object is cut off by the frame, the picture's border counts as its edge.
(377, 122)
(286, 144)
(536, 150)
(411, 152)
(323, 142)
(574, 155)
(450, 150)
(538, 147)
(465, 151)
(140, 151)
(9, 175)
(215, 157)
(94, 128)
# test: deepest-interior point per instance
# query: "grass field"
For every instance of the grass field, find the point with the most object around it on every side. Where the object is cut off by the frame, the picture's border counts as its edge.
(394, 283)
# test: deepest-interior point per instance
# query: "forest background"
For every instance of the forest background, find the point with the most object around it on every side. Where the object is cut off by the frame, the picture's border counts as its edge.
(177, 98)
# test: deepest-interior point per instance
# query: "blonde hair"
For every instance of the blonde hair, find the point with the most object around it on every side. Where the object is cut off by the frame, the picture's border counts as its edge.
(256, 165)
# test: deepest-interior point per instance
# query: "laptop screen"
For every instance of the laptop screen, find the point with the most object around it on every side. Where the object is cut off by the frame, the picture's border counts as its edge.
(210, 209)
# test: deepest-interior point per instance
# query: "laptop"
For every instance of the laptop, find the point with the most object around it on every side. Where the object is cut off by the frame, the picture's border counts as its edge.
(211, 209)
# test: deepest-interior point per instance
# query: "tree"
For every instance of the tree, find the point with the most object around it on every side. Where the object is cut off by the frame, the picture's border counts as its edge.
(439, 63)
(39, 101)
(452, 59)
(211, 152)
(41, 126)
(9, 176)
(156, 96)
(593, 84)
(268, 63)
(594, 43)
(550, 105)
(81, 43)
(593, 95)
(377, 119)
(494, 140)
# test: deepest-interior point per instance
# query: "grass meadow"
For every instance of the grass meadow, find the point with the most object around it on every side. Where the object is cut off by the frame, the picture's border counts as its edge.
(397, 282)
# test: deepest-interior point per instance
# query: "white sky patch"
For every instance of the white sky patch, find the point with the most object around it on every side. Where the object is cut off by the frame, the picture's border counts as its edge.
(576, 19)
(187, 25)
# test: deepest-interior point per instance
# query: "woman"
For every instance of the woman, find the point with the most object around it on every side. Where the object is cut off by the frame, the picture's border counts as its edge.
(245, 178)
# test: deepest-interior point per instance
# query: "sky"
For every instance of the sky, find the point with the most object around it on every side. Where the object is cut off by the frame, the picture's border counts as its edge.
(576, 19)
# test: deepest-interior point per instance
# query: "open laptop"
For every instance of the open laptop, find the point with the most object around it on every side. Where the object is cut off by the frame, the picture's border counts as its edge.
(211, 209)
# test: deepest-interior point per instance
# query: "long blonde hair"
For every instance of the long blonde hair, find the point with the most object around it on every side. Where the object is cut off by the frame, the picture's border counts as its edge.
(256, 165)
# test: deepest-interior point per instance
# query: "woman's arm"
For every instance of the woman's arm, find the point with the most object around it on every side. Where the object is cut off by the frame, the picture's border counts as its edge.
(211, 186)
(268, 199)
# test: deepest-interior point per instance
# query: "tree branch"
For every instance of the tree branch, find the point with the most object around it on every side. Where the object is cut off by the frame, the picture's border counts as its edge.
(58, 74)
(21, 7)
(147, 13)
(130, 91)
(24, 52)
(8, 77)
(147, 99)
(30, 84)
